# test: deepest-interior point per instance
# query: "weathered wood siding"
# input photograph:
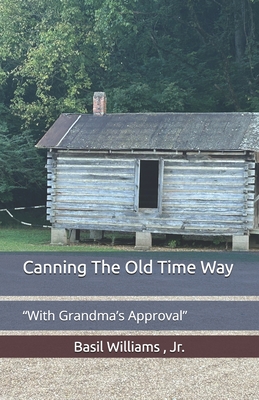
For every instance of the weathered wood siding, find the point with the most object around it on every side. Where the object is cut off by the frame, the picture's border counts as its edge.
(90, 192)
(199, 196)
(214, 196)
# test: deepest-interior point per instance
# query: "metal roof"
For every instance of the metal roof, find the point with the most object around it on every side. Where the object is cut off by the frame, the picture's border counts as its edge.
(154, 131)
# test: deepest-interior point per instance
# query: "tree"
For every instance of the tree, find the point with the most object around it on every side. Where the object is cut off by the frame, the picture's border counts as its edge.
(147, 55)
(154, 55)
(207, 50)
(20, 166)
(51, 76)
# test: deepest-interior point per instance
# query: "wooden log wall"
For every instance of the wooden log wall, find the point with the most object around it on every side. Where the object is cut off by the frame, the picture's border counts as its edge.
(215, 196)
(199, 196)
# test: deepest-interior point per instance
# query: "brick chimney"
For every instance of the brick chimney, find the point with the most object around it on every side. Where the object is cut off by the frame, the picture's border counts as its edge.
(99, 103)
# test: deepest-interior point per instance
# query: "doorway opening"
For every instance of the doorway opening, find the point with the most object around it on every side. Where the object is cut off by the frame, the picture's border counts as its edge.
(148, 184)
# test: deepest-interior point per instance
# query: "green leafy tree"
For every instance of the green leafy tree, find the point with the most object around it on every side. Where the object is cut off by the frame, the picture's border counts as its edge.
(153, 55)
(19, 166)
(51, 75)
(207, 50)
(148, 55)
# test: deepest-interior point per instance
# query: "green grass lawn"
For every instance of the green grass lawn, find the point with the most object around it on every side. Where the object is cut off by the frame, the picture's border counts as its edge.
(37, 239)
(14, 236)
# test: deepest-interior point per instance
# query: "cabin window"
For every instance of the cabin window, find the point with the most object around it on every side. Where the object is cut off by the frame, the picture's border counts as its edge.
(148, 184)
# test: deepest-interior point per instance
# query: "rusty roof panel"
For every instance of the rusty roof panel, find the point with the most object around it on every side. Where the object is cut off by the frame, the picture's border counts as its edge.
(160, 131)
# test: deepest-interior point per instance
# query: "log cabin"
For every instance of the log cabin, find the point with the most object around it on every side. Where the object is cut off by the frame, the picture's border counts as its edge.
(166, 173)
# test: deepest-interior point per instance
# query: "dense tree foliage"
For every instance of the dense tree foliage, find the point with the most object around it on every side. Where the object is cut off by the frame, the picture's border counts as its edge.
(147, 55)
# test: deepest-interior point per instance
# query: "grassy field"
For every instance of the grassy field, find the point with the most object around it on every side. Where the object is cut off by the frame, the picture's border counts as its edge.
(38, 239)
(24, 238)
(15, 236)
